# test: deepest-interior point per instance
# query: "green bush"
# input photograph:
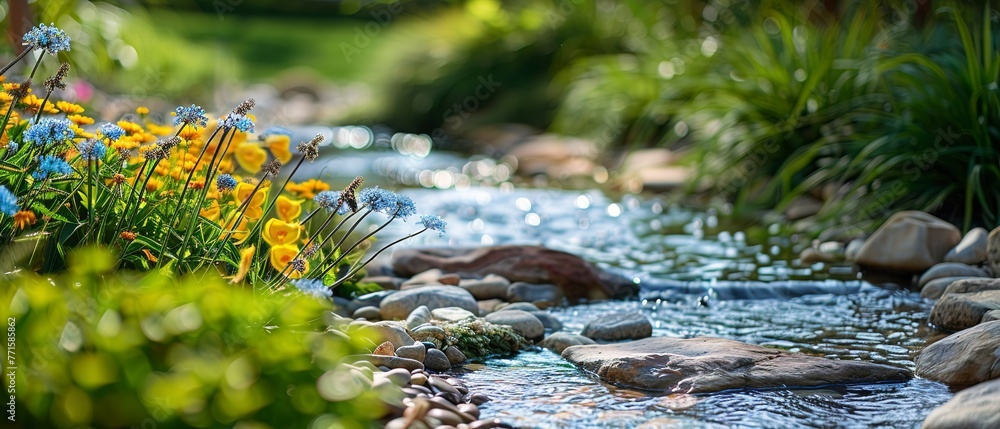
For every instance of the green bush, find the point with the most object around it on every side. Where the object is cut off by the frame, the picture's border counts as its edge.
(95, 349)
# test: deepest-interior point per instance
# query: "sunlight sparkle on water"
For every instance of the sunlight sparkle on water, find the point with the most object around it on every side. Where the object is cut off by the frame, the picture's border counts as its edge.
(522, 204)
(583, 202)
(614, 210)
(532, 219)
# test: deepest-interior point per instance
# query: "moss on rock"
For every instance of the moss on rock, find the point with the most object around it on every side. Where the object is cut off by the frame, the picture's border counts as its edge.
(476, 338)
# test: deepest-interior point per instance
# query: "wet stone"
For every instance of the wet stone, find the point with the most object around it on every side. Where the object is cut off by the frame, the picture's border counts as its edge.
(436, 360)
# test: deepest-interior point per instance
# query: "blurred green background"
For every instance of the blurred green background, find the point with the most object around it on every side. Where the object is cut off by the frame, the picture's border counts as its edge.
(865, 106)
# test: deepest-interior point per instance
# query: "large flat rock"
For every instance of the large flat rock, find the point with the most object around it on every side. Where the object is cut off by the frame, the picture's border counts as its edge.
(968, 357)
(529, 264)
(700, 365)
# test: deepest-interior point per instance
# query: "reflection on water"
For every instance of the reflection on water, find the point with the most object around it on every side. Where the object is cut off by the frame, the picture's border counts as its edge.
(651, 239)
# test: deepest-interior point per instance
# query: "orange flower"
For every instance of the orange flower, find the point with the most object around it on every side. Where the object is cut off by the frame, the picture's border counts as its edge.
(69, 108)
(308, 189)
(250, 157)
(277, 232)
(288, 209)
(282, 255)
(153, 185)
(246, 258)
(279, 143)
(24, 219)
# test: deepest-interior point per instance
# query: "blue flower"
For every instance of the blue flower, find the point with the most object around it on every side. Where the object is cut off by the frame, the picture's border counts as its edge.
(194, 116)
(8, 202)
(49, 131)
(433, 222)
(377, 199)
(405, 207)
(275, 131)
(238, 121)
(314, 287)
(225, 182)
(12, 148)
(49, 165)
(111, 131)
(329, 200)
(92, 149)
(47, 37)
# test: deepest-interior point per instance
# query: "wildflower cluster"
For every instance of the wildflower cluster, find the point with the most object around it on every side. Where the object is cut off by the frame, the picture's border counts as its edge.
(181, 196)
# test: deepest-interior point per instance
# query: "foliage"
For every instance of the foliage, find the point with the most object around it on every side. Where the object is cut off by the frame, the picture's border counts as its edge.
(179, 203)
(96, 349)
(477, 338)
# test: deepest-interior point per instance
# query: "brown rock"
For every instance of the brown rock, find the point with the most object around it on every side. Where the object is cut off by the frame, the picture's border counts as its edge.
(977, 407)
(958, 311)
(936, 288)
(972, 285)
(910, 241)
(385, 349)
(964, 358)
(530, 264)
(700, 365)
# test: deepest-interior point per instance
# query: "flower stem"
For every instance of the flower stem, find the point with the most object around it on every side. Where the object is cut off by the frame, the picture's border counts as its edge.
(16, 60)
(372, 258)
(354, 246)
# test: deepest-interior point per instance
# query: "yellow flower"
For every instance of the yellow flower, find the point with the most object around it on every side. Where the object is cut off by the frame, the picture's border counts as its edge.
(190, 133)
(153, 185)
(32, 101)
(80, 119)
(10, 86)
(126, 142)
(250, 157)
(6, 98)
(226, 166)
(130, 127)
(82, 133)
(212, 212)
(246, 258)
(282, 255)
(288, 209)
(142, 110)
(307, 189)
(159, 130)
(69, 108)
(26, 218)
(279, 143)
(277, 232)
(243, 190)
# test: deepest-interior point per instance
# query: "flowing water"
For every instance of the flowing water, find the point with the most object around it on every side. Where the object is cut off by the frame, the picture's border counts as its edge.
(652, 240)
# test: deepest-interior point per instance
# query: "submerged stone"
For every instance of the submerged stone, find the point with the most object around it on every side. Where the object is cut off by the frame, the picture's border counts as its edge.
(700, 365)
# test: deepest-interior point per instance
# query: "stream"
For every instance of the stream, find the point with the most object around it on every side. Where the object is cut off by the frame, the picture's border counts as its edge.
(656, 243)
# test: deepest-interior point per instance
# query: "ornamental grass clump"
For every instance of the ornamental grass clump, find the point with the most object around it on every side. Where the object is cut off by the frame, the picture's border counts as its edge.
(198, 194)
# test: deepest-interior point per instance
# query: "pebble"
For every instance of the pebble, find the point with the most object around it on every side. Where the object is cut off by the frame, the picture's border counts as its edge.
(441, 385)
(418, 316)
(521, 321)
(418, 379)
(449, 279)
(455, 356)
(385, 349)
(470, 409)
(523, 306)
(478, 399)
(393, 332)
(399, 377)
(487, 288)
(436, 360)
(452, 314)
(429, 345)
(527, 292)
(414, 351)
(368, 312)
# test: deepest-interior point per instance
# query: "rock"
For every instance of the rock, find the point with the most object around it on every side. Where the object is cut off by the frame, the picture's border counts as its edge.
(853, 249)
(993, 251)
(950, 269)
(549, 321)
(452, 314)
(701, 365)
(977, 407)
(436, 360)
(400, 304)
(455, 356)
(803, 206)
(385, 349)
(971, 250)
(418, 316)
(615, 327)
(372, 299)
(399, 376)
(530, 264)
(910, 241)
(973, 285)
(964, 358)
(811, 255)
(489, 287)
(958, 311)
(384, 282)
(558, 341)
(521, 321)
(428, 276)
(527, 292)
(387, 361)
(450, 279)
(393, 332)
(523, 306)
(935, 288)
(990, 316)
(488, 305)
(416, 352)
(367, 313)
